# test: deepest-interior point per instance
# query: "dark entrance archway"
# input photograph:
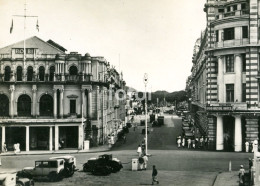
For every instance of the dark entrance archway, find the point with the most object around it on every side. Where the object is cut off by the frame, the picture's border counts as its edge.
(39, 138)
(229, 131)
(69, 135)
(4, 105)
(29, 73)
(46, 105)
(19, 73)
(7, 73)
(41, 73)
(52, 71)
(24, 105)
(15, 135)
(73, 70)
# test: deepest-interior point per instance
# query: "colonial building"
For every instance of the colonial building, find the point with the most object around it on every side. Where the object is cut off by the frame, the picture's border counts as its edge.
(48, 96)
(224, 84)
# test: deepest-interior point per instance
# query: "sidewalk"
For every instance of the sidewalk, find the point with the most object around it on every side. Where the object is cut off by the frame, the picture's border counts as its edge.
(227, 179)
(102, 148)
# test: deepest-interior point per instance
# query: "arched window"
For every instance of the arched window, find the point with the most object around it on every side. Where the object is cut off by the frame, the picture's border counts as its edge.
(24, 105)
(73, 70)
(4, 105)
(29, 73)
(52, 71)
(41, 73)
(46, 105)
(7, 73)
(19, 73)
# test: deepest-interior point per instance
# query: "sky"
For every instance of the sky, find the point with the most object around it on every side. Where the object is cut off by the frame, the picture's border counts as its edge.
(136, 36)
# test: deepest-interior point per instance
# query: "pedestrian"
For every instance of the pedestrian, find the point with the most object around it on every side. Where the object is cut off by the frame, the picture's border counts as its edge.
(189, 143)
(197, 142)
(193, 143)
(145, 161)
(141, 162)
(247, 146)
(179, 142)
(241, 175)
(139, 151)
(124, 138)
(4, 147)
(201, 142)
(154, 175)
(206, 142)
(183, 141)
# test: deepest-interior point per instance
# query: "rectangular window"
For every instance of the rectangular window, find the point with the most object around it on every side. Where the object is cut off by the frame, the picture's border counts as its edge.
(228, 9)
(243, 92)
(73, 106)
(229, 33)
(243, 56)
(245, 31)
(229, 92)
(216, 35)
(230, 63)
(234, 7)
(220, 10)
(243, 6)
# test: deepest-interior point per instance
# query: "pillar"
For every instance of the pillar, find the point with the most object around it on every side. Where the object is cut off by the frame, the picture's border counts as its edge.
(12, 88)
(220, 137)
(238, 134)
(56, 142)
(238, 79)
(3, 136)
(83, 99)
(220, 80)
(34, 106)
(89, 103)
(50, 139)
(80, 142)
(55, 103)
(27, 146)
(61, 102)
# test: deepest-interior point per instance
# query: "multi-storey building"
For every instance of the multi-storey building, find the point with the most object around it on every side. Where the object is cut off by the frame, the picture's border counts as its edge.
(48, 96)
(225, 77)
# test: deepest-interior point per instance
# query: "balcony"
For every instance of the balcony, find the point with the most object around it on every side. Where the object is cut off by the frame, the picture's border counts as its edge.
(231, 43)
(237, 13)
(227, 107)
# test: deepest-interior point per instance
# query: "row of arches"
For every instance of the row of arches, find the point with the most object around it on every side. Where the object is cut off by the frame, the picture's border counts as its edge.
(24, 105)
(73, 70)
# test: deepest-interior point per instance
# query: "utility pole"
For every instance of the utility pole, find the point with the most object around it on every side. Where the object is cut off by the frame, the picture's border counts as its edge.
(145, 83)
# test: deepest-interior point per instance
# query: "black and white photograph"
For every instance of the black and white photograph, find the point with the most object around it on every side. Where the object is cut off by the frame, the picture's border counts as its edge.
(129, 92)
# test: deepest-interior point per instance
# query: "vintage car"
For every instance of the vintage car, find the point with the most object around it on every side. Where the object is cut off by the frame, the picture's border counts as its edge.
(53, 169)
(103, 165)
(69, 164)
(10, 178)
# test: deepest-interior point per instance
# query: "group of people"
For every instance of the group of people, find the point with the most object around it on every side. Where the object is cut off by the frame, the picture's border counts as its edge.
(193, 142)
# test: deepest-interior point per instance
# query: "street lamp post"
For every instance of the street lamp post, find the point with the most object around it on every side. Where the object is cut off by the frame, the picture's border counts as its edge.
(145, 83)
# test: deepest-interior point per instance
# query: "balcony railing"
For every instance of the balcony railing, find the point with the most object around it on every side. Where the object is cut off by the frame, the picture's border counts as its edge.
(231, 43)
(227, 106)
(236, 13)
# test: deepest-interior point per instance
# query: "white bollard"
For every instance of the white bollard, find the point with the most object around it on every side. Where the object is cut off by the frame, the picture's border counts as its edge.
(230, 166)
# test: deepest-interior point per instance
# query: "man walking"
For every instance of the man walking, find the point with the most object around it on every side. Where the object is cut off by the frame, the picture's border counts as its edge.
(145, 161)
(154, 175)
(139, 151)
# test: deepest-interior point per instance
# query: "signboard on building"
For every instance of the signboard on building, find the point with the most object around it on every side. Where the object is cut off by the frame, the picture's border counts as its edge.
(20, 50)
(219, 108)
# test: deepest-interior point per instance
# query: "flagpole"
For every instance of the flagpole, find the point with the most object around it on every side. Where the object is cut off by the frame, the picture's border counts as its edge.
(24, 51)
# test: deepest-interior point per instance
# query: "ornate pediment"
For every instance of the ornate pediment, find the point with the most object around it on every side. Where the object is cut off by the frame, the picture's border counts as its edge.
(72, 96)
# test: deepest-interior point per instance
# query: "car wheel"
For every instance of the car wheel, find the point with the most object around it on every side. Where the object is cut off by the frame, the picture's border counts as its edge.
(19, 184)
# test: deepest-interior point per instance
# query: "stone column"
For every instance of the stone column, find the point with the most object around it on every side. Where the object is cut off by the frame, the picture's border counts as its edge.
(3, 136)
(221, 80)
(56, 137)
(83, 99)
(61, 102)
(27, 139)
(55, 103)
(238, 134)
(90, 103)
(50, 139)
(238, 85)
(220, 137)
(34, 105)
(12, 89)
(80, 142)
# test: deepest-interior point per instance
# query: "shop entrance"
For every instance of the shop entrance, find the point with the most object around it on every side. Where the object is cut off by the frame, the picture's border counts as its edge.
(39, 138)
(229, 129)
(69, 136)
(15, 135)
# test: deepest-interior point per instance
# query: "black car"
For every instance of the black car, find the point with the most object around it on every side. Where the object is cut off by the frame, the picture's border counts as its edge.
(103, 165)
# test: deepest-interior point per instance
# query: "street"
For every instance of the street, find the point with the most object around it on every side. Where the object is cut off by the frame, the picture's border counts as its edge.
(173, 164)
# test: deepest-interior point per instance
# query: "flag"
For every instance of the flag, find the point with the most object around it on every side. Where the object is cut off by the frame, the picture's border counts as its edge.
(37, 25)
(11, 28)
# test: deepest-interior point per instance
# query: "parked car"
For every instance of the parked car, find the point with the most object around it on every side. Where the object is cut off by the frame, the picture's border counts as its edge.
(69, 164)
(53, 169)
(10, 178)
(103, 165)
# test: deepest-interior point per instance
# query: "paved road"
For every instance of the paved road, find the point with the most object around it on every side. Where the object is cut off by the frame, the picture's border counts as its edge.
(174, 164)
